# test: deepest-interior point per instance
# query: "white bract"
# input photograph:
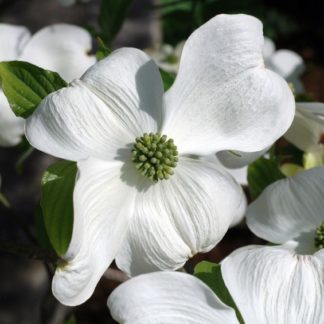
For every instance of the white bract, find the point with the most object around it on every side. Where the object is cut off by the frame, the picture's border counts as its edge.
(285, 283)
(168, 298)
(307, 128)
(110, 120)
(61, 48)
(290, 66)
(236, 163)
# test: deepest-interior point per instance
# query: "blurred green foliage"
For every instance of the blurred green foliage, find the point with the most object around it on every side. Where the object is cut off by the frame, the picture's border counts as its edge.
(262, 173)
(181, 17)
(111, 17)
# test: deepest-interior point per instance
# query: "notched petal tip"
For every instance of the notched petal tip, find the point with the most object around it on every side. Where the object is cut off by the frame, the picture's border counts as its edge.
(246, 107)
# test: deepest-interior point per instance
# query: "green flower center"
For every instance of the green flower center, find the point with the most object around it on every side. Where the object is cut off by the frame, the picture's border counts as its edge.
(155, 156)
(319, 236)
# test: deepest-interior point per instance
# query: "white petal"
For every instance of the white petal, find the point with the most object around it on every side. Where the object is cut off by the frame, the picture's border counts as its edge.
(168, 298)
(286, 63)
(239, 159)
(269, 48)
(274, 285)
(223, 98)
(239, 174)
(102, 114)
(304, 132)
(235, 163)
(61, 48)
(130, 78)
(313, 110)
(240, 212)
(177, 218)
(289, 208)
(103, 205)
(13, 39)
(308, 125)
(11, 127)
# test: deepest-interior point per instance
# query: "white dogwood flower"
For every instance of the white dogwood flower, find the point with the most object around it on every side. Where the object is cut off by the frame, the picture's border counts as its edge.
(139, 196)
(285, 283)
(61, 48)
(168, 298)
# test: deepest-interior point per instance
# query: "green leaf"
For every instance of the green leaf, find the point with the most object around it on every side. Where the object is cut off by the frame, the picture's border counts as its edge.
(41, 232)
(57, 203)
(103, 50)
(210, 273)
(111, 17)
(167, 79)
(261, 174)
(25, 85)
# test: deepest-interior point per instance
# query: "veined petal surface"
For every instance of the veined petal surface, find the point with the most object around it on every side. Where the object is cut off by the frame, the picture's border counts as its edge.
(103, 206)
(274, 285)
(289, 208)
(62, 48)
(168, 298)
(13, 39)
(223, 97)
(128, 78)
(90, 118)
(11, 127)
(177, 218)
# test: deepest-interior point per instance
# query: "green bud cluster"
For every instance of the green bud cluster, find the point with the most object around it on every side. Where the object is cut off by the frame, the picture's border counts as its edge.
(155, 156)
(319, 237)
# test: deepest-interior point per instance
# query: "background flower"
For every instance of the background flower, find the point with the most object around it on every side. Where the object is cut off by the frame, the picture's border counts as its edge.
(61, 48)
(282, 284)
(308, 126)
(167, 57)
